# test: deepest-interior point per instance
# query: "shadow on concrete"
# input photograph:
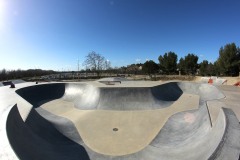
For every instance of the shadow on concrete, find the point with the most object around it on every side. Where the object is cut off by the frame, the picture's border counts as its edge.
(39, 94)
(38, 139)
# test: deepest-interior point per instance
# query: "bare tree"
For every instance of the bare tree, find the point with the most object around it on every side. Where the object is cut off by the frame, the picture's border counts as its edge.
(107, 65)
(95, 62)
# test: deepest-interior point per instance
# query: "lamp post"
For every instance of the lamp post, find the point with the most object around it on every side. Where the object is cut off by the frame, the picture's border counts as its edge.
(78, 69)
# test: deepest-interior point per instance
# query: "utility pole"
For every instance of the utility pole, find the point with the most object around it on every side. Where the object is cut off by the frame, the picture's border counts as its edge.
(78, 69)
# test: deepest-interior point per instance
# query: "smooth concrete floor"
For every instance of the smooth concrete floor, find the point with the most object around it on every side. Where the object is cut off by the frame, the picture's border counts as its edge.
(8, 99)
(232, 99)
(119, 132)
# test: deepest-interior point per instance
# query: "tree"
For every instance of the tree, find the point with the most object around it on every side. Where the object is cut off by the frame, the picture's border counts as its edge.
(3, 74)
(168, 62)
(212, 69)
(189, 64)
(133, 69)
(181, 65)
(150, 67)
(13, 74)
(208, 69)
(95, 62)
(229, 59)
(203, 68)
(107, 65)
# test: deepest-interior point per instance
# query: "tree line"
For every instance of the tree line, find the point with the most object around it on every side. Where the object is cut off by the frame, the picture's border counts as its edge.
(227, 64)
(16, 74)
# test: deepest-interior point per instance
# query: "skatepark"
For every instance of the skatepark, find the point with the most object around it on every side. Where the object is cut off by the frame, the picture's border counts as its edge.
(117, 119)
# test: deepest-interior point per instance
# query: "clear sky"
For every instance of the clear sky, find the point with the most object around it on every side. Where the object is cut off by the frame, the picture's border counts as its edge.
(54, 34)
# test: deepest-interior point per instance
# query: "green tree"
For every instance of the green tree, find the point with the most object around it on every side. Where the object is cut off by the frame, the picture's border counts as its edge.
(212, 69)
(181, 65)
(188, 64)
(168, 62)
(132, 69)
(3, 74)
(150, 67)
(229, 59)
(203, 68)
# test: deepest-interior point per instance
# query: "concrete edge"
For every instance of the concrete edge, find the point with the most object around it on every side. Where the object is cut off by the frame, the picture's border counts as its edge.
(229, 147)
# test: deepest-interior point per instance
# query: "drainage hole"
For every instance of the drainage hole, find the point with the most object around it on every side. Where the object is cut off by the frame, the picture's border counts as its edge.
(115, 129)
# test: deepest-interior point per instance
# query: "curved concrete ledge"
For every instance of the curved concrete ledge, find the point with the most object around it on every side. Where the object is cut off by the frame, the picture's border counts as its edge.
(37, 139)
(185, 132)
(229, 146)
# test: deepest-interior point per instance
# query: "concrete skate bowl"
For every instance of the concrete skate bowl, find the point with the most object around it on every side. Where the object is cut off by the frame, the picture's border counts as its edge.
(82, 121)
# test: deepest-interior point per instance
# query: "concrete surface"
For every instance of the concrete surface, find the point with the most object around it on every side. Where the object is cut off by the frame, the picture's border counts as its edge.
(15, 81)
(140, 113)
(135, 129)
(8, 98)
(232, 99)
(38, 139)
(215, 80)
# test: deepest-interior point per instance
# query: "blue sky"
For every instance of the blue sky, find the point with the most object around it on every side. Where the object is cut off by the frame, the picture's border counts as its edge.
(54, 34)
